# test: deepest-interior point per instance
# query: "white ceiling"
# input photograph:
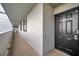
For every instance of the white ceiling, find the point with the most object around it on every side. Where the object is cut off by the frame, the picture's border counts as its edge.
(55, 4)
(16, 11)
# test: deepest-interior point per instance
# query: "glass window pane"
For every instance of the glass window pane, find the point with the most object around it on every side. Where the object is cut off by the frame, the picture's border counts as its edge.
(60, 27)
(5, 24)
(68, 27)
(69, 16)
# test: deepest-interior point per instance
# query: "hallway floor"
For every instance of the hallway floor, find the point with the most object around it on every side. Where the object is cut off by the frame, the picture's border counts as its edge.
(21, 48)
(57, 52)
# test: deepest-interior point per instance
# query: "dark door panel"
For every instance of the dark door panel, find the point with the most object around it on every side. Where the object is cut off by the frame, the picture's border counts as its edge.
(67, 32)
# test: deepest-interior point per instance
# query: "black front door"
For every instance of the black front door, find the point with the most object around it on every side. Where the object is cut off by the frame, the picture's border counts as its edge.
(67, 32)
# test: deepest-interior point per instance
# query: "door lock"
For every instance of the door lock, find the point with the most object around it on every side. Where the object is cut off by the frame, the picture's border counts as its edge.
(75, 37)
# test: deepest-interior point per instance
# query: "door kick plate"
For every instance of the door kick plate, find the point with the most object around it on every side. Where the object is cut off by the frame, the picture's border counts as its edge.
(68, 49)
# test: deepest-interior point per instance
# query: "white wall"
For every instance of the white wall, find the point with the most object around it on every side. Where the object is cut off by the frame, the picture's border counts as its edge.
(48, 28)
(34, 34)
(65, 7)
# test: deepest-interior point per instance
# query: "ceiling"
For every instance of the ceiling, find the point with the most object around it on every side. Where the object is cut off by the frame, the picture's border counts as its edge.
(16, 11)
(55, 4)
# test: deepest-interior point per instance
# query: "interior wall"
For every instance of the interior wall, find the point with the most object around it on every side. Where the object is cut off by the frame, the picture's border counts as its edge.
(34, 34)
(48, 29)
(64, 7)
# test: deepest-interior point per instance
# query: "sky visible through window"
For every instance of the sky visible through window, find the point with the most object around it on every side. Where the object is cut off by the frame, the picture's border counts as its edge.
(5, 24)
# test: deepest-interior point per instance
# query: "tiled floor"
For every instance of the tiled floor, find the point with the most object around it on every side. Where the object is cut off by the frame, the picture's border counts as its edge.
(56, 52)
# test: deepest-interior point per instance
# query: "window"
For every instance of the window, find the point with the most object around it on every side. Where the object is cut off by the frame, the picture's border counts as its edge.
(5, 24)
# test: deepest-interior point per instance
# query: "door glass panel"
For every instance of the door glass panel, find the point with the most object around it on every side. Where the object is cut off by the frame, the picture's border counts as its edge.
(68, 24)
(68, 16)
(60, 27)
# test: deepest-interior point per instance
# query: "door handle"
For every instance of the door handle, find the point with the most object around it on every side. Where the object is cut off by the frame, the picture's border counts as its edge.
(75, 37)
